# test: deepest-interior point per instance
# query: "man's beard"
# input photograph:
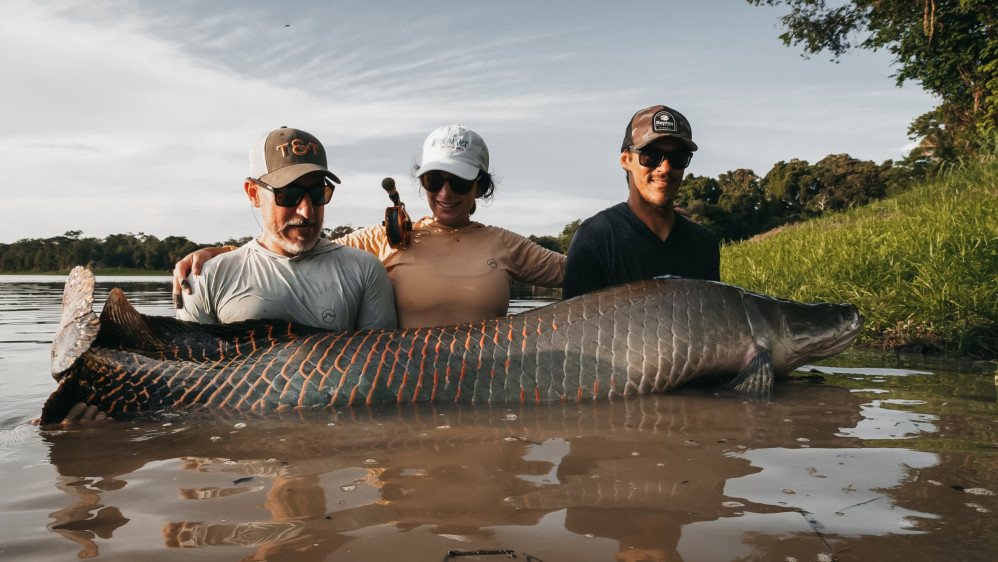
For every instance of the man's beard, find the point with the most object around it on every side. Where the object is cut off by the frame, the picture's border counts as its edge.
(297, 247)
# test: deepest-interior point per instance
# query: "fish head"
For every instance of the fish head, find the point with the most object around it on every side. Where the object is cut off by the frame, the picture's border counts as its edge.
(814, 331)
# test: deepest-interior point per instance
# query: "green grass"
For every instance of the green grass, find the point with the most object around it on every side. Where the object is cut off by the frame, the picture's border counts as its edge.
(922, 266)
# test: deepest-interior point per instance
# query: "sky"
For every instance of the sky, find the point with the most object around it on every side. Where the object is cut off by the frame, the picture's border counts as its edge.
(136, 117)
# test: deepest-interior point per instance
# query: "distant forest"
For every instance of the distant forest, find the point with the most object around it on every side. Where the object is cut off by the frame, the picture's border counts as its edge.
(736, 205)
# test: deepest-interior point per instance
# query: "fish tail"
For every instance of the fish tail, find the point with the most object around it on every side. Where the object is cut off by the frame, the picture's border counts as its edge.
(79, 326)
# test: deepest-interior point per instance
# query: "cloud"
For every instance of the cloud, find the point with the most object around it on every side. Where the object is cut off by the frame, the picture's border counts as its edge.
(137, 116)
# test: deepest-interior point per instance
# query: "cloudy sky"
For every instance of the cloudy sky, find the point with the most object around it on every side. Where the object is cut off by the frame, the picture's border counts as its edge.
(128, 116)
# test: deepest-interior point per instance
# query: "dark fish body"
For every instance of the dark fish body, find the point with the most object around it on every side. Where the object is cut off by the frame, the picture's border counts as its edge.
(645, 337)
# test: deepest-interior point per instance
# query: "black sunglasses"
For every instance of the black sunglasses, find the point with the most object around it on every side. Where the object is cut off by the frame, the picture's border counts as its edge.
(292, 194)
(433, 182)
(652, 158)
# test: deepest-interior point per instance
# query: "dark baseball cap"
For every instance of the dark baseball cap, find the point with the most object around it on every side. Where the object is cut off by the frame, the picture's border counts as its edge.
(284, 155)
(656, 122)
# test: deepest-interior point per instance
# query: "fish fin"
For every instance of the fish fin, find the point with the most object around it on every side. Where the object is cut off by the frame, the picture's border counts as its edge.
(79, 326)
(755, 378)
(124, 327)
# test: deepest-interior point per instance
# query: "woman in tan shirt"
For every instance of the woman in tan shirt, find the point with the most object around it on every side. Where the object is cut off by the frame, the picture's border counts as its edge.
(454, 270)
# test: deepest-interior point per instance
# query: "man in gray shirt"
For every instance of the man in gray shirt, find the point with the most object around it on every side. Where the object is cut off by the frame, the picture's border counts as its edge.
(289, 272)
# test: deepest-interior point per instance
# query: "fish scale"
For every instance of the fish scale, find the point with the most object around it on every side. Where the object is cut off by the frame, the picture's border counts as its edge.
(639, 338)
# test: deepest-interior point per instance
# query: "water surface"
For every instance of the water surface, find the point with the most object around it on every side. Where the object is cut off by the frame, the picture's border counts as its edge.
(863, 457)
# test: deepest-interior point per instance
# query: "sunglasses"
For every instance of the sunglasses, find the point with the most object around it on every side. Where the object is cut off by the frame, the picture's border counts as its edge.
(434, 181)
(292, 194)
(651, 158)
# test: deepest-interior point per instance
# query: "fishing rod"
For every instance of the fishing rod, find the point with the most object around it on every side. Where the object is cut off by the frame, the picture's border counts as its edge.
(397, 222)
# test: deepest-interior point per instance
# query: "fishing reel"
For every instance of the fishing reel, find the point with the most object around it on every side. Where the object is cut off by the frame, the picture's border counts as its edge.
(397, 222)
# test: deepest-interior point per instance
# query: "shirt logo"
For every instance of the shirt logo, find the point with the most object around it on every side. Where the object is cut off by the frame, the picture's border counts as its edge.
(329, 316)
(663, 122)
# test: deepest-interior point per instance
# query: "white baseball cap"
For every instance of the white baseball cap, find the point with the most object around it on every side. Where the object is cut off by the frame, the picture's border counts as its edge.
(457, 150)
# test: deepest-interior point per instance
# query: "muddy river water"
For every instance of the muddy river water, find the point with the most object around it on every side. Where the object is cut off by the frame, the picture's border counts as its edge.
(863, 457)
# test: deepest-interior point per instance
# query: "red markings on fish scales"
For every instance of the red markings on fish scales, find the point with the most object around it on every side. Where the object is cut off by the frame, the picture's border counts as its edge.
(537, 394)
(396, 366)
(336, 362)
(595, 388)
(523, 395)
(325, 359)
(370, 354)
(405, 379)
(377, 374)
(196, 385)
(360, 347)
(412, 347)
(419, 385)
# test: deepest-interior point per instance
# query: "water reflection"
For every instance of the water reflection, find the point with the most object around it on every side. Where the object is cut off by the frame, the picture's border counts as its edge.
(633, 476)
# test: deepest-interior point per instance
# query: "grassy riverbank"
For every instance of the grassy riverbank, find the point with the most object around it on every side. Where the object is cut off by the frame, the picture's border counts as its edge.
(922, 266)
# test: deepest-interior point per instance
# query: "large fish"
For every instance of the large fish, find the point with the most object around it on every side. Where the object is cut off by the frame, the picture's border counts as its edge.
(645, 337)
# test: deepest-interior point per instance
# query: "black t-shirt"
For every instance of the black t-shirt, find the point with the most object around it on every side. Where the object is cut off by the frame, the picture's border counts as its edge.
(614, 247)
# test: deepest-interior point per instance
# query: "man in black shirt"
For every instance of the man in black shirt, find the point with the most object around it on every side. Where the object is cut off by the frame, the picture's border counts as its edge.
(644, 237)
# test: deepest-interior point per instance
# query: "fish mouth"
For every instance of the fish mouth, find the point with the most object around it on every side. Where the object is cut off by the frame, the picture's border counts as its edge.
(852, 323)
(827, 335)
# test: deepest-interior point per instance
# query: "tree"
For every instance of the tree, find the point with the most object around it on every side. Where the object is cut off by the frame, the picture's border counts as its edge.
(792, 185)
(698, 188)
(567, 233)
(550, 242)
(950, 47)
(746, 208)
(847, 182)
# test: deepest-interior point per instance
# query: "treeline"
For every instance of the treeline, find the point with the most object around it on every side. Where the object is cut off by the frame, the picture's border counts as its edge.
(127, 251)
(134, 251)
(736, 205)
(739, 204)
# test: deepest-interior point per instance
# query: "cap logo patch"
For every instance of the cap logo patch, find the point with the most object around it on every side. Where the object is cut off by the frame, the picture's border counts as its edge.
(298, 147)
(663, 122)
(452, 143)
